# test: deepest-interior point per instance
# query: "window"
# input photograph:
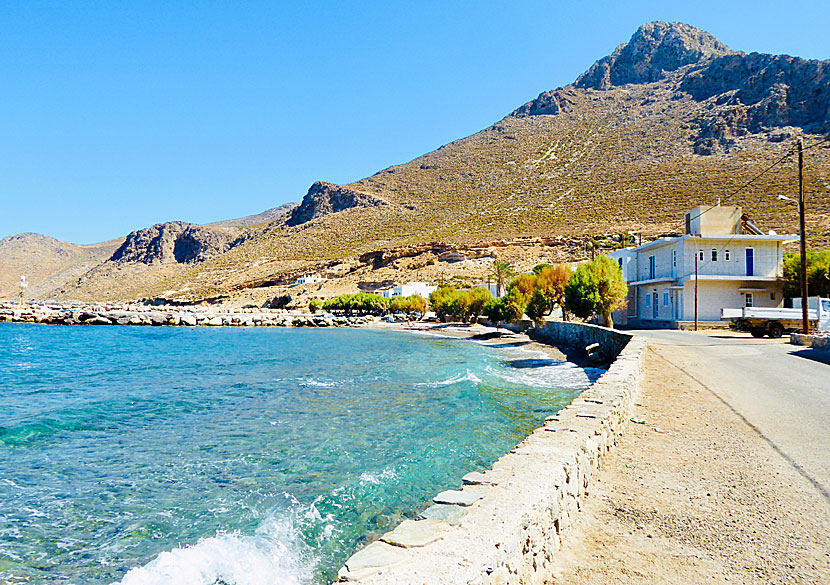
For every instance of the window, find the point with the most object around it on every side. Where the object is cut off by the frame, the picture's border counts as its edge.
(714, 254)
(665, 299)
(772, 296)
(674, 258)
(648, 300)
(619, 261)
(726, 255)
(651, 268)
(749, 299)
(700, 256)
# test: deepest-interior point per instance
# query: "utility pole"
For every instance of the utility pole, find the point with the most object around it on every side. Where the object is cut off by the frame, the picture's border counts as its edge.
(697, 256)
(805, 323)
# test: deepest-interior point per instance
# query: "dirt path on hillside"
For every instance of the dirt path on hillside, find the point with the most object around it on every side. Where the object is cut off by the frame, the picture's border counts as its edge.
(695, 496)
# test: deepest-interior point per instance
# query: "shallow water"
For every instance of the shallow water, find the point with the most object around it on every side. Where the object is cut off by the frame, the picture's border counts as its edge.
(241, 456)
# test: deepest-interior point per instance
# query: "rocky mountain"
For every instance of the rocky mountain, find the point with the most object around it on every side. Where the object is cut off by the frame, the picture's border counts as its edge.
(324, 199)
(174, 241)
(672, 119)
(655, 50)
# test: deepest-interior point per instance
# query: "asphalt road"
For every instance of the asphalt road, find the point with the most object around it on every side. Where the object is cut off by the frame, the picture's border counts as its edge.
(781, 390)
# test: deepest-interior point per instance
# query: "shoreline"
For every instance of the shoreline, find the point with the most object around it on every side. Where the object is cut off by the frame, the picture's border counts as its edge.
(135, 315)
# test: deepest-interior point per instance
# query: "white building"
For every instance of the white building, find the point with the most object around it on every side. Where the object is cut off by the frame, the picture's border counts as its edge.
(423, 289)
(733, 263)
(307, 280)
(492, 287)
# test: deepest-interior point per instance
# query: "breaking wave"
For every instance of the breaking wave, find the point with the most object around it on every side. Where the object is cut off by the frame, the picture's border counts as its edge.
(468, 377)
(274, 555)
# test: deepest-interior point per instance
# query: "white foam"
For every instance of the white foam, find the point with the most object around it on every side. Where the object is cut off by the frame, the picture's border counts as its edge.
(559, 375)
(377, 478)
(274, 555)
(317, 383)
(468, 377)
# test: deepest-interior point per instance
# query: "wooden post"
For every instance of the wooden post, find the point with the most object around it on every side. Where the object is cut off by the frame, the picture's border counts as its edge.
(805, 323)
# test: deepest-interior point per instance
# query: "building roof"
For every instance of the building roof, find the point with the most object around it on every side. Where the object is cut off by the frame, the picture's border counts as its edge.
(737, 237)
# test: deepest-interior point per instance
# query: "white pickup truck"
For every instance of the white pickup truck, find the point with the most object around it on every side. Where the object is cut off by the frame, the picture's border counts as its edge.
(760, 321)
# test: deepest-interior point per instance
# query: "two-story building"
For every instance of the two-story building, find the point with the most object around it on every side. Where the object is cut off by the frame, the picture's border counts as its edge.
(423, 289)
(722, 261)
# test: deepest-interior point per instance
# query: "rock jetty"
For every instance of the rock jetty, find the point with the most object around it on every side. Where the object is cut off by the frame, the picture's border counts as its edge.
(136, 314)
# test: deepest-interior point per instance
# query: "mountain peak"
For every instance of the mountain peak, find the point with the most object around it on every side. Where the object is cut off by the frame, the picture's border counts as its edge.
(654, 48)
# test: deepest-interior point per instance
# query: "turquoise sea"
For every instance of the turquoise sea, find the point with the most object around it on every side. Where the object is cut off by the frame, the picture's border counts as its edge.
(259, 456)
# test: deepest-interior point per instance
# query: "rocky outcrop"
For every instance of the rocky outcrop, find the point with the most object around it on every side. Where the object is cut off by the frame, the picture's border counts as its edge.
(326, 198)
(174, 241)
(754, 92)
(736, 94)
(549, 103)
(656, 48)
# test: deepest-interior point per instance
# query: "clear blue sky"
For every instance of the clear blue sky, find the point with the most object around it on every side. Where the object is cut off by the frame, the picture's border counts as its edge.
(118, 115)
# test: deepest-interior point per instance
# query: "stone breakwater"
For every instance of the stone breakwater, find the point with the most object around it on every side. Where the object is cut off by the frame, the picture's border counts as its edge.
(59, 314)
(505, 526)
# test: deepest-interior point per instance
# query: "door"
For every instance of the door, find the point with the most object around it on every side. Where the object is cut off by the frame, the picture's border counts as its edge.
(655, 301)
(678, 305)
(750, 262)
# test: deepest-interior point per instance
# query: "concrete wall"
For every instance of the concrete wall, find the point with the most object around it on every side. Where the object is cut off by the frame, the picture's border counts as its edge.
(714, 295)
(505, 525)
(767, 257)
(717, 219)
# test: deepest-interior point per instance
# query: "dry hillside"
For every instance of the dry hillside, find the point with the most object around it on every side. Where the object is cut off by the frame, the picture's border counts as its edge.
(672, 119)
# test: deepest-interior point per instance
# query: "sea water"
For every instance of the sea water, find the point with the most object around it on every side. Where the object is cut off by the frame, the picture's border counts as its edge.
(257, 456)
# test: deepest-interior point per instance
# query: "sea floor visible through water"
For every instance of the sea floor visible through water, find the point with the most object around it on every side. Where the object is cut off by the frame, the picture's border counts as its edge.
(243, 455)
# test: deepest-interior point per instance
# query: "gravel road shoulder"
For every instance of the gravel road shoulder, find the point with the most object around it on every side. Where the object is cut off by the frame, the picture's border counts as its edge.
(695, 495)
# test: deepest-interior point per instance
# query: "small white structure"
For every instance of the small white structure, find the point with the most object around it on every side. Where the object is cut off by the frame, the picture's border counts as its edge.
(492, 287)
(307, 280)
(423, 289)
(734, 264)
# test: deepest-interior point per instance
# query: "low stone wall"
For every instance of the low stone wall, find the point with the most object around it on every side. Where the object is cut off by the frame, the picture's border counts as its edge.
(569, 335)
(820, 342)
(505, 525)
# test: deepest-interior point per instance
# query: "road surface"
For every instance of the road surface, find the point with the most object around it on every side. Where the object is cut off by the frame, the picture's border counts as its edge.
(781, 390)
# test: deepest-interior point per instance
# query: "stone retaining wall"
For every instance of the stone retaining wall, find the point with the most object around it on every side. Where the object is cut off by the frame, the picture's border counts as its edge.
(820, 342)
(504, 526)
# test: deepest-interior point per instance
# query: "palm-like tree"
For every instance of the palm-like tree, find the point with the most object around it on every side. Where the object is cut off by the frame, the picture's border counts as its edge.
(501, 273)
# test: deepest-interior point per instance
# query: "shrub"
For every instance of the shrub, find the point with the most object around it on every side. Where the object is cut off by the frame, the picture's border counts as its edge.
(464, 304)
(818, 274)
(315, 305)
(596, 288)
(360, 303)
(410, 304)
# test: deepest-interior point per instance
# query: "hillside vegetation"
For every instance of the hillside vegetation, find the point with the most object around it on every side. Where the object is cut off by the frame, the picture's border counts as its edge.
(672, 119)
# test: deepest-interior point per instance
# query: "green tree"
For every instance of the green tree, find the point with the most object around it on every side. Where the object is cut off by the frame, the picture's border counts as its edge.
(551, 280)
(503, 309)
(596, 288)
(465, 304)
(501, 273)
(818, 274)
(439, 300)
(315, 305)
(538, 306)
